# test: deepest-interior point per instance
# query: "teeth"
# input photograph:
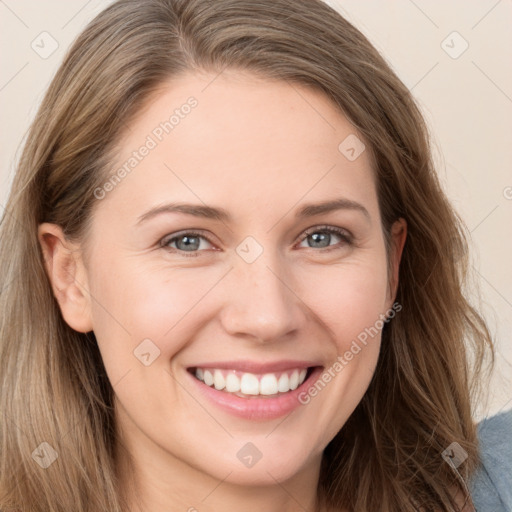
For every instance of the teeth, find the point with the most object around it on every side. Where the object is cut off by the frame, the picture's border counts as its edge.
(251, 384)
(218, 380)
(284, 383)
(232, 383)
(294, 380)
(208, 378)
(268, 384)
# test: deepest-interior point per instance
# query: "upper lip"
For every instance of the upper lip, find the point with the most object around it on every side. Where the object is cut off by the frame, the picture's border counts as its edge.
(258, 367)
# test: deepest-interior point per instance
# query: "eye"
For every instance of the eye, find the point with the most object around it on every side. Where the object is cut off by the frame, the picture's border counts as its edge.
(189, 243)
(321, 236)
(185, 242)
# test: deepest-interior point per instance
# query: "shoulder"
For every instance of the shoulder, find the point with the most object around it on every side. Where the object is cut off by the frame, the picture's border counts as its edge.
(491, 485)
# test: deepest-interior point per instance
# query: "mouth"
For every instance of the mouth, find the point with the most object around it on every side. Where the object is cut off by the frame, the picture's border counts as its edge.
(255, 394)
(248, 385)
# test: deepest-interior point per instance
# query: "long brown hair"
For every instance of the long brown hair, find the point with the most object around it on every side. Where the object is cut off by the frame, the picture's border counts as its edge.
(54, 385)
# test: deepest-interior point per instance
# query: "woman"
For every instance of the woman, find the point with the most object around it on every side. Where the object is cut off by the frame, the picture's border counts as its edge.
(236, 281)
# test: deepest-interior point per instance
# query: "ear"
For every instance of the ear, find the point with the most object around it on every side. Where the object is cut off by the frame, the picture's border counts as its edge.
(398, 236)
(67, 275)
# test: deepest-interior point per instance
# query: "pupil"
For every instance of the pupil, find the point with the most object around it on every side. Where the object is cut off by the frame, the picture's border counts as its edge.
(323, 238)
(191, 243)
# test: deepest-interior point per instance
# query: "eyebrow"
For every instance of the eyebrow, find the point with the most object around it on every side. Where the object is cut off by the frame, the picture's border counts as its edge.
(220, 214)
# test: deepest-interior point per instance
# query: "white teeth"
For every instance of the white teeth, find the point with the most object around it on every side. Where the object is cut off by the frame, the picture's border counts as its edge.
(284, 383)
(294, 380)
(251, 384)
(268, 384)
(232, 383)
(208, 378)
(218, 380)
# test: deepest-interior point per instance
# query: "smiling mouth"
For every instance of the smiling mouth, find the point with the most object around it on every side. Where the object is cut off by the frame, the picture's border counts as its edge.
(252, 385)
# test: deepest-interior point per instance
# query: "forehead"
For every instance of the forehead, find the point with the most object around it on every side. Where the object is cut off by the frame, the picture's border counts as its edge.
(241, 140)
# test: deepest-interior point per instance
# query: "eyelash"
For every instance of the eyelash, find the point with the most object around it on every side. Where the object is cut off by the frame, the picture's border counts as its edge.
(343, 234)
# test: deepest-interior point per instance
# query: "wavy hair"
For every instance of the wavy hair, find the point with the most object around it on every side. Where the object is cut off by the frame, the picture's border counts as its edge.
(54, 385)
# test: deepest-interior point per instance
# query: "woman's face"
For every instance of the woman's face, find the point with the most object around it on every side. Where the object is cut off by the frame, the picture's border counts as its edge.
(211, 258)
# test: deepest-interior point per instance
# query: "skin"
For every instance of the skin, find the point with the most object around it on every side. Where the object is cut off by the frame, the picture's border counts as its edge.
(260, 149)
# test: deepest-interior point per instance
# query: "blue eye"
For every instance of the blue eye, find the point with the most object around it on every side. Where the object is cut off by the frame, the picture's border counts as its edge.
(189, 243)
(321, 236)
(186, 242)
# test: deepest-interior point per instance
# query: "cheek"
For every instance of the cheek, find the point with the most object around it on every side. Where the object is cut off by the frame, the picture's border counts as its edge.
(162, 303)
(348, 297)
(137, 302)
(349, 300)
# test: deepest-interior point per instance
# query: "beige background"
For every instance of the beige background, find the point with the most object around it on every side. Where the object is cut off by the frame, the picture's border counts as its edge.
(466, 97)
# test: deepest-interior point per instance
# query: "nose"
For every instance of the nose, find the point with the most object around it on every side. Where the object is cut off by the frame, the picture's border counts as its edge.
(261, 302)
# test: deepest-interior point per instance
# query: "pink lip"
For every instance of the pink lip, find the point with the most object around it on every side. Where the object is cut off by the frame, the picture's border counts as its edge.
(253, 367)
(255, 408)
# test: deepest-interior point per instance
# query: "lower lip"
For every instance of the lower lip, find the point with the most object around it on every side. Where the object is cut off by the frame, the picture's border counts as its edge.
(255, 408)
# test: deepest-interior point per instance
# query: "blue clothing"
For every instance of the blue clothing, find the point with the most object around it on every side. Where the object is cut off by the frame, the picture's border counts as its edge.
(491, 486)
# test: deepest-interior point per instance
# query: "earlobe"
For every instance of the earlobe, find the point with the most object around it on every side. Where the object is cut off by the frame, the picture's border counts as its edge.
(67, 275)
(398, 237)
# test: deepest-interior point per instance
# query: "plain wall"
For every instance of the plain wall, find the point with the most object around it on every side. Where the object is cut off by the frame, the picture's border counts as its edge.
(466, 97)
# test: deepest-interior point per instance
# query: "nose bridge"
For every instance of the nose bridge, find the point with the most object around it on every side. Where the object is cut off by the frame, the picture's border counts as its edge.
(261, 302)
